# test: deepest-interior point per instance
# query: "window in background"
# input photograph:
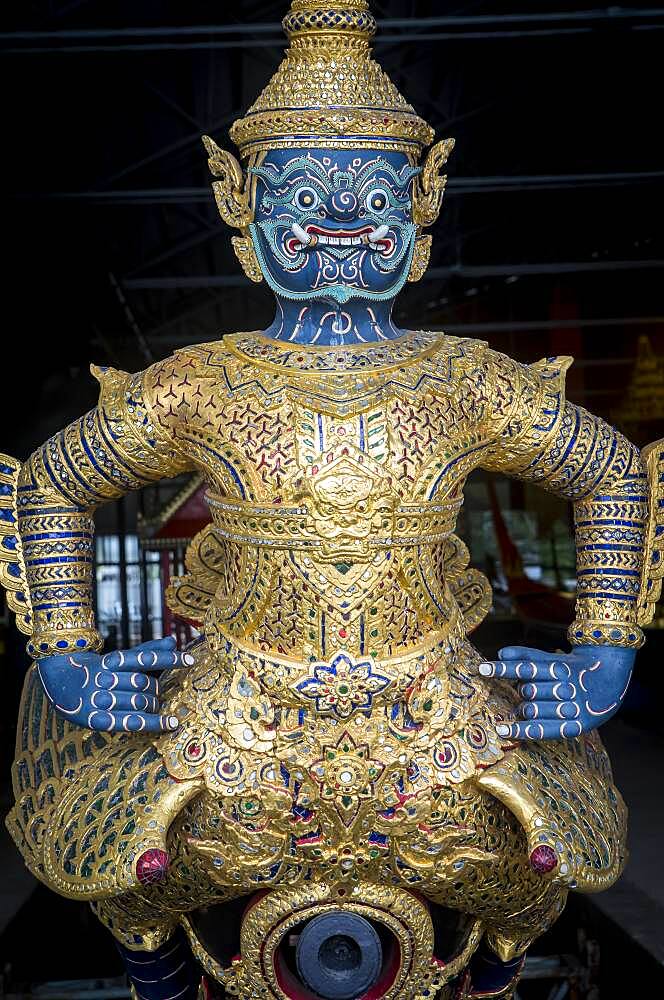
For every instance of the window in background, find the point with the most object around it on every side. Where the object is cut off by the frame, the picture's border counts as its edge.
(109, 596)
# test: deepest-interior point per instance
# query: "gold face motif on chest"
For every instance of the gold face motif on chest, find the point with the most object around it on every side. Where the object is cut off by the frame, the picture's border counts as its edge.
(351, 501)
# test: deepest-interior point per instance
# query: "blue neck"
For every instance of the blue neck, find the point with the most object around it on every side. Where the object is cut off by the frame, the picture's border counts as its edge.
(326, 323)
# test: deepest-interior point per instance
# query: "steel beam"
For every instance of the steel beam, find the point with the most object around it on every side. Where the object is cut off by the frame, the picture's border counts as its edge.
(188, 243)
(141, 340)
(274, 27)
(170, 282)
(455, 185)
(422, 29)
(173, 147)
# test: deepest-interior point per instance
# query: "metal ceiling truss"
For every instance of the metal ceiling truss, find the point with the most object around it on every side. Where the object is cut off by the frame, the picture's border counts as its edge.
(413, 28)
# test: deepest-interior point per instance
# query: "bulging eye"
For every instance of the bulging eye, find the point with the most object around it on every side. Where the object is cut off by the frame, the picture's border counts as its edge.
(377, 200)
(306, 199)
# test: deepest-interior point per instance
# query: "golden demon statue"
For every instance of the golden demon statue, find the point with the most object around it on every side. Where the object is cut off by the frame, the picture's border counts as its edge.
(329, 794)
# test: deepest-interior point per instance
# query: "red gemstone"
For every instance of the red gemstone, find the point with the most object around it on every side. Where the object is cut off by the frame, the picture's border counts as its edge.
(152, 866)
(343, 633)
(195, 750)
(543, 860)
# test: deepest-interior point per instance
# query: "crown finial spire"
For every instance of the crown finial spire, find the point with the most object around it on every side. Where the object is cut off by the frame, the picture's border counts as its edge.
(329, 91)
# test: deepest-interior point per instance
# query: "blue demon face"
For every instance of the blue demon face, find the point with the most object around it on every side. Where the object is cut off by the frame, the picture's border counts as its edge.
(334, 224)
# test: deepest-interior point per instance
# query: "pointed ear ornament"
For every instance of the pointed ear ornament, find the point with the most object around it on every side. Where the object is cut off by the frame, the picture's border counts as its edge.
(430, 185)
(233, 201)
(230, 191)
(245, 253)
(421, 257)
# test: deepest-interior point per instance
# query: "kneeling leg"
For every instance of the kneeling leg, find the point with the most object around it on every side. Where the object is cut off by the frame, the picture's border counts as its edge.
(169, 973)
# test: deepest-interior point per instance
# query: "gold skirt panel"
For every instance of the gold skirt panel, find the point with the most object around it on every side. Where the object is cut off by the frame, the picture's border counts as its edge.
(269, 785)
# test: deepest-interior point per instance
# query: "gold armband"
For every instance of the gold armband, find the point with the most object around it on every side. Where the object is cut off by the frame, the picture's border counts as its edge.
(593, 633)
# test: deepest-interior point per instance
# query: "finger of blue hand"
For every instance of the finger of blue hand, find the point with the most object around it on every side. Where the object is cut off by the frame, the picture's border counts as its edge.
(118, 700)
(540, 730)
(175, 659)
(530, 670)
(102, 699)
(106, 679)
(101, 721)
(138, 682)
(153, 659)
(550, 710)
(548, 691)
(115, 660)
(512, 670)
(134, 722)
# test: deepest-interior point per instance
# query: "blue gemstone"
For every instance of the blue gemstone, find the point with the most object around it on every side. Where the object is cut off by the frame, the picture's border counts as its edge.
(61, 644)
(80, 643)
(44, 646)
(597, 634)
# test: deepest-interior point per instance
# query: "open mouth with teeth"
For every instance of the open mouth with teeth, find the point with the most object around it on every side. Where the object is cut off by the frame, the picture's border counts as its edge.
(312, 236)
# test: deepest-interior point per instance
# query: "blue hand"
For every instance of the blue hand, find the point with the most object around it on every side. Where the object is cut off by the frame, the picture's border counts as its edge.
(112, 693)
(564, 694)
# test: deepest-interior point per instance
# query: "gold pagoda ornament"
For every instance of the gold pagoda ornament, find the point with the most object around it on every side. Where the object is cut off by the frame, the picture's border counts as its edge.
(644, 397)
(329, 91)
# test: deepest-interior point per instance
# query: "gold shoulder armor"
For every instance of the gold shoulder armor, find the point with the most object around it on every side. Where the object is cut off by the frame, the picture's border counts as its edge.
(653, 556)
(527, 405)
(12, 565)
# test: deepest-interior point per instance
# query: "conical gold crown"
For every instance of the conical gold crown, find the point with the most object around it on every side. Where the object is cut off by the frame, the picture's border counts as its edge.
(329, 91)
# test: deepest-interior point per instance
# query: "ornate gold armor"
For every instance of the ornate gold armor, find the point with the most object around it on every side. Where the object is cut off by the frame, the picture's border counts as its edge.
(336, 741)
(337, 746)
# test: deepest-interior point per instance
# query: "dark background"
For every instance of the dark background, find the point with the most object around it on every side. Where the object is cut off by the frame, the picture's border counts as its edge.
(550, 242)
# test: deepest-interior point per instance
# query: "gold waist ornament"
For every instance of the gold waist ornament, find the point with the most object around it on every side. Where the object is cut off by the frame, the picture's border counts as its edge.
(341, 684)
(331, 530)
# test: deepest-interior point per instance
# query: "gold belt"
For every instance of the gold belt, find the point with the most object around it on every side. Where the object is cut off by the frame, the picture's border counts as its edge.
(295, 681)
(301, 527)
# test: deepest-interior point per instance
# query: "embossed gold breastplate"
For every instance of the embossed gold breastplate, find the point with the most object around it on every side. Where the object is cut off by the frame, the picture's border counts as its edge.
(335, 484)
